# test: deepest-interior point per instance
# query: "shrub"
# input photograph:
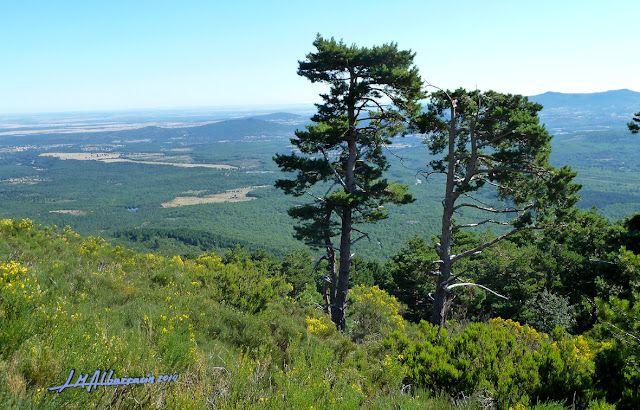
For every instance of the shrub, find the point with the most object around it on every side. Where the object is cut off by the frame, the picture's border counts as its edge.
(509, 363)
(374, 313)
(547, 310)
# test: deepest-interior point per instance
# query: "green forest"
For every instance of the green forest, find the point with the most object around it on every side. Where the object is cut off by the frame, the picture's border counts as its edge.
(405, 247)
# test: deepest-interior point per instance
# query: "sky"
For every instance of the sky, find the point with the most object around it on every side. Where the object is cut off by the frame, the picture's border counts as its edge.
(69, 55)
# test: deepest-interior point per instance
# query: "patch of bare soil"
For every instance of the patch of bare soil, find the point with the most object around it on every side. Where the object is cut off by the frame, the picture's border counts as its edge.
(116, 157)
(233, 195)
(74, 212)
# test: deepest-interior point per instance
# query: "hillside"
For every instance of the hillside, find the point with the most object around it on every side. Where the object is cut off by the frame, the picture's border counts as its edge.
(91, 180)
(212, 332)
(565, 112)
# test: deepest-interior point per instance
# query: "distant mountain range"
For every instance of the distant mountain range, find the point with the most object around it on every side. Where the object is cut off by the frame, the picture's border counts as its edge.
(587, 112)
(275, 126)
(562, 114)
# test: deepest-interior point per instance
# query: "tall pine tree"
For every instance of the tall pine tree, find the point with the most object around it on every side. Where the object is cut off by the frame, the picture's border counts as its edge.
(488, 139)
(340, 158)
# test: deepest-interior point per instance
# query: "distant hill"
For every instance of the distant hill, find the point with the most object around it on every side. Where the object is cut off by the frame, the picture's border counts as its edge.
(587, 112)
(615, 99)
(283, 116)
(238, 129)
(272, 126)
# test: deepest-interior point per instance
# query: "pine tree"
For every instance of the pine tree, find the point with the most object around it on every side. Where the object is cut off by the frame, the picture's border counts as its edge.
(488, 139)
(341, 160)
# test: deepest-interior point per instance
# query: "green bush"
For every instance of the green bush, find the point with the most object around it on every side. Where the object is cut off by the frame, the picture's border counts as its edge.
(373, 313)
(507, 363)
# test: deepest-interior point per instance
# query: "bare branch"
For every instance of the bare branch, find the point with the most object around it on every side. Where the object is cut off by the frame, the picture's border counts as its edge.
(625, 333)
(361, 154)
(428, 84)
(370, 128)
(323, 246)
(323, 200)
(386, 146)
(338, 177)
(455, 227)
(371, 100)
(454, 277)
(362, 237)
(386, 92)
(427, 174)
(324, 258)
(480, 286)
(359, 185)
(538, 172)
(601, 261)
(476, 199)
(497, 185)
(330, 188)
(487, 244)
(495, 139)
(493, 210)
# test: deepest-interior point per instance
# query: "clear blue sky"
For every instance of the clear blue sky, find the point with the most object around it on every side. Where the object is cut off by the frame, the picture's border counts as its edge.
(95, 54)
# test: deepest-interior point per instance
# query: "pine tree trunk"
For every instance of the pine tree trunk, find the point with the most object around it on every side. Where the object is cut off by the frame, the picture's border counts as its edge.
(329, 291)
(339, 307)
(438, 312)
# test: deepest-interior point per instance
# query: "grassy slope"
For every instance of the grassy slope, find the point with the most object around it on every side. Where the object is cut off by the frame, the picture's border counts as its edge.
(236, 340)
(70, 302)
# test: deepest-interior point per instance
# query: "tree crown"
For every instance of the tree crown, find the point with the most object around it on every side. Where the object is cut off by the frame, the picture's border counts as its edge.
(372, 94)
(496, 139)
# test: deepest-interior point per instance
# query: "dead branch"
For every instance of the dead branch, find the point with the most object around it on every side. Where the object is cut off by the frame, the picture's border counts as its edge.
(338, 177)
(475, 284)
(454, 258)
(456, 227)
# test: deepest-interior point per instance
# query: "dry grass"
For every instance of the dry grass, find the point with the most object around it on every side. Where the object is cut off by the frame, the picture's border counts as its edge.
(75, 212)
(116, 157)
(82, 156)
(74, 126)
(233, 195)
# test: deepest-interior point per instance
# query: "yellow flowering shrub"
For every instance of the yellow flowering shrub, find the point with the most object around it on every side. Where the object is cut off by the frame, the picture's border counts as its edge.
(321, 327)
(25, 224)
(92, 244)
(210, 260)
(374, 312)
(16, 284)
(16, 225)
(20, 296)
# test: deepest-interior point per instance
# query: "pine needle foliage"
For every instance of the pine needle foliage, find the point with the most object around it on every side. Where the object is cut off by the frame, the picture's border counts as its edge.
(340, 159)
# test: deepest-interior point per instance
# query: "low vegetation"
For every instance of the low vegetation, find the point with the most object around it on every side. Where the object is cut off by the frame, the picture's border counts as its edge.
(246, 330)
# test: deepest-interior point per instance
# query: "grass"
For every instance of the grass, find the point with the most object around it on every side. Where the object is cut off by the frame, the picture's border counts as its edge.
(86, 305)
(228, 331)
